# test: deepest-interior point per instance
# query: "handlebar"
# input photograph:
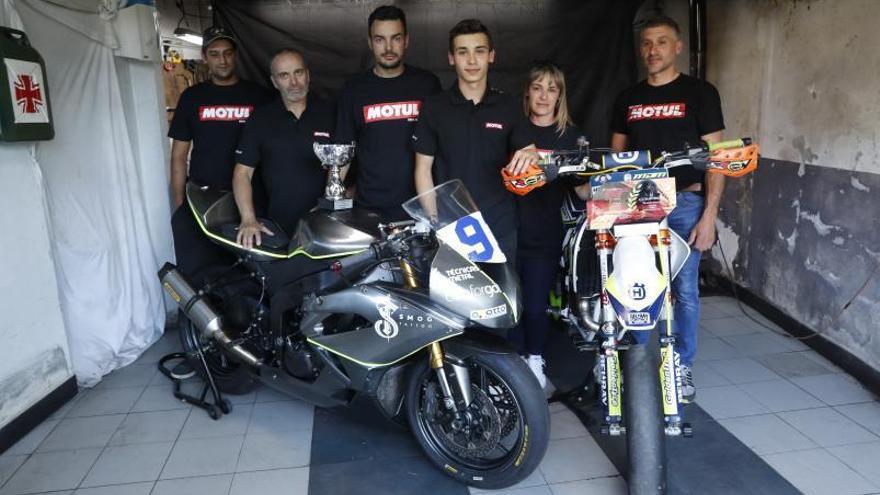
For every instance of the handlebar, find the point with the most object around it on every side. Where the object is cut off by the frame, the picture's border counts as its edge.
(734, 158)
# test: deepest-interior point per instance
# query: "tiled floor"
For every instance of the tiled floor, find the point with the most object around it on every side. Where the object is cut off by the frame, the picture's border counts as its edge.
(817, 426)
(128, 436)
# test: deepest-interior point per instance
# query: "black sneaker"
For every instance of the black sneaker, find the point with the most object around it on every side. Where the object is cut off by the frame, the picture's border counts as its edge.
(688, 389)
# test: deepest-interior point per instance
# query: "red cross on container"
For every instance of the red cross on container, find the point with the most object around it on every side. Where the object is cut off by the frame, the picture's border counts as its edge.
(28, 94)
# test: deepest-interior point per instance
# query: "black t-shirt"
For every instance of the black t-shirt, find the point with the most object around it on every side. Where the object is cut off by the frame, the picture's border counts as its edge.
(473, 142)
(280, 146)
(665, 118)
(540, 223)
(212, 117)
(380, 115)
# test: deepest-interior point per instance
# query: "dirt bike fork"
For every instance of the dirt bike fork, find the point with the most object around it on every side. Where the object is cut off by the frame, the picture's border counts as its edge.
(437, 359)
(670, 378)
(608, 355)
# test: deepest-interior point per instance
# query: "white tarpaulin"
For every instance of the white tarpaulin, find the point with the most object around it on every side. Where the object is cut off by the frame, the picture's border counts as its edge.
(101, 194)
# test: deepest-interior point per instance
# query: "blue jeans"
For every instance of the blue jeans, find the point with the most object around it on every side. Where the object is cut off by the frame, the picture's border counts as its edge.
(685, 287)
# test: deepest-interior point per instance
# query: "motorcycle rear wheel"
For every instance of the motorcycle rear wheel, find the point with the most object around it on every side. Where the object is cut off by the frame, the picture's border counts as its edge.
(510, 410)
(231, 377)
(645, 435)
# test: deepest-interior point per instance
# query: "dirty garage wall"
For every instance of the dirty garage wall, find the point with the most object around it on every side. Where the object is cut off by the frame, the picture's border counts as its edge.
(802, 77)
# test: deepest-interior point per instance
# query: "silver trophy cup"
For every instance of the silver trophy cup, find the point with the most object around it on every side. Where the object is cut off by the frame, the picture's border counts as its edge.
(333, 157)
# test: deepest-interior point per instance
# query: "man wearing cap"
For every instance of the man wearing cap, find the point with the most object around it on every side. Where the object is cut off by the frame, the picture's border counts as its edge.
(208, 120)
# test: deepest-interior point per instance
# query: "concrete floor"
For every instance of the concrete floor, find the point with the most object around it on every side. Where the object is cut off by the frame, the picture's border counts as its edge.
(812, 423)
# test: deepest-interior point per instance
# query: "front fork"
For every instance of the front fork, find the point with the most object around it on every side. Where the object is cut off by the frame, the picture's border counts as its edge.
(437, 359)
(608, 355)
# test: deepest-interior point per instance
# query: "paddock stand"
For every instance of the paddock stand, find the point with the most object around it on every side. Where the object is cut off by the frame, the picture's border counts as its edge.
(182, 372)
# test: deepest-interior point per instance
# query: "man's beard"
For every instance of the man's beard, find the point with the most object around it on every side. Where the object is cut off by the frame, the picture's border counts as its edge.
(393, 65)
(294, 95)
(223, 75)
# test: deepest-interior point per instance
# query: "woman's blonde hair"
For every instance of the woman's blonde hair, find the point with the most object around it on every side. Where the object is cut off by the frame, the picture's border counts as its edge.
(551, 70)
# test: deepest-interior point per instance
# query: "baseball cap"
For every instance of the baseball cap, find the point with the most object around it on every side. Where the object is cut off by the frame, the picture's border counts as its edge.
(215, 33)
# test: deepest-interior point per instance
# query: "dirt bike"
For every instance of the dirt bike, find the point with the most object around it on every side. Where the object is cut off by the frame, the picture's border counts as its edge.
(618, 264)
(396, 312)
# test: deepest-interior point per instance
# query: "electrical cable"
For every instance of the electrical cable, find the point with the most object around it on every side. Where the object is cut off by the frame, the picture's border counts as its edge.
(815, 333)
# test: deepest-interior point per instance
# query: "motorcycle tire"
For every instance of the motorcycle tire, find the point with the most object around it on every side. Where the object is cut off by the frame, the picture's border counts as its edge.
(643, 415)
(229, 376)
(512, 388)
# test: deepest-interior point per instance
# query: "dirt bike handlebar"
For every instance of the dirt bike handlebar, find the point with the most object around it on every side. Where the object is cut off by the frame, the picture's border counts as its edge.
(733, 158)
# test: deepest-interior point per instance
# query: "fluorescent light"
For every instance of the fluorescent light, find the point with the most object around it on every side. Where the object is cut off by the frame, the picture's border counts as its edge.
(188, 36)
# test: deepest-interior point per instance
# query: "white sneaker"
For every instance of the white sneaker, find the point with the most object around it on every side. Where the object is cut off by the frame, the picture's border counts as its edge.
(536, 364)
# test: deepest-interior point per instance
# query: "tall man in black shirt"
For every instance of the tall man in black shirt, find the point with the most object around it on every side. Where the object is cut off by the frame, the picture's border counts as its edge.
(378, 109)
(279, 139)
(663, 113)
(208, 120)
(469, 131)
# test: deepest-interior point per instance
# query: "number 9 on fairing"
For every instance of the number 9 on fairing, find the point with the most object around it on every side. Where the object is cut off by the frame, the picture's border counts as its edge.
(471, 233)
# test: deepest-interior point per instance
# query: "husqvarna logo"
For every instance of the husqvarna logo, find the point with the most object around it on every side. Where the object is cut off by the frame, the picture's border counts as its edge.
(386, 327)
(637, 292)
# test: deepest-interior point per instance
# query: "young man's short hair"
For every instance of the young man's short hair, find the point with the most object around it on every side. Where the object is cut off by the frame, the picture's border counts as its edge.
(386, 13)
(660, 20)
(468, 26)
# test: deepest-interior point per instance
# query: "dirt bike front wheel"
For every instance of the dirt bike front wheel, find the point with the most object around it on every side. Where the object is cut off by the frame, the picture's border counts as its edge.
(499, 439)
(643, 415)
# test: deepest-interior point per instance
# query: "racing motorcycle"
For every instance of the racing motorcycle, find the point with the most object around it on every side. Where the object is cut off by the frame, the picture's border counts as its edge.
(400, 312)
(618, 264)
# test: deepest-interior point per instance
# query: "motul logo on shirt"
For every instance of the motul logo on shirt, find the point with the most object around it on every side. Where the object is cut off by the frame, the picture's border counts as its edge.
(226, 113)
(656, 112)
(321, 134)
(391, 111)
(494, 125)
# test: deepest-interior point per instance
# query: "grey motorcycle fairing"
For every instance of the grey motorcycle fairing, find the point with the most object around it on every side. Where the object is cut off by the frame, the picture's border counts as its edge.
(486, 293)
(322, 233)
(399, 323)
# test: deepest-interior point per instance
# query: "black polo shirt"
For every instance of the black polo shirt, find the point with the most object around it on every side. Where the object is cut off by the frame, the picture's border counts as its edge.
(473, 143)
(280, 145)
(380, 114)
(212, 117)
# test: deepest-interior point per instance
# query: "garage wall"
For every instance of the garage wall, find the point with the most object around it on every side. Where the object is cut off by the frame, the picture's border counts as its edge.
(802, 77)
(34, 356)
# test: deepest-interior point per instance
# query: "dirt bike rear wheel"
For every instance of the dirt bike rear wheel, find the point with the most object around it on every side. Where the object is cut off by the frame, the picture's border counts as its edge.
(643, 415)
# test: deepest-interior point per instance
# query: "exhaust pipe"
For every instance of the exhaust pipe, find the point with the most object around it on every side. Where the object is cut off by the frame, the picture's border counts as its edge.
(201, 314)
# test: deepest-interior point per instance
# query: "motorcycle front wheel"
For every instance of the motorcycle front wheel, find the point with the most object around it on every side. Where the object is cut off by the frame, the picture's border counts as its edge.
(499, 439)
(643, 414)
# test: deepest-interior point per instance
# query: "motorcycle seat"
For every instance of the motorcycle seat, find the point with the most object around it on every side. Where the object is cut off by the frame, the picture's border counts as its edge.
(277, 243)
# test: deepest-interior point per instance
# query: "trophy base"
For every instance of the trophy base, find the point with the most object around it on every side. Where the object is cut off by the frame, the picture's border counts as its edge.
(335, 204)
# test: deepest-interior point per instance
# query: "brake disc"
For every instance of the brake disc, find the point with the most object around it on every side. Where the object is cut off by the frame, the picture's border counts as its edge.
(473, 433)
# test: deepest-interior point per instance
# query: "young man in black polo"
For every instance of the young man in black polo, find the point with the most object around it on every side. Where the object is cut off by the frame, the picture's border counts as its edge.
(663, 113)
(378, 110)
(279, 139)
(469, 131)
(209, 118)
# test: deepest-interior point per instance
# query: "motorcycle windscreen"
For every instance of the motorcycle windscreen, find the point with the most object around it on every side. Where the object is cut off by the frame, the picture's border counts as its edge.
(636, 289)
(487, 294)
(453, 215)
